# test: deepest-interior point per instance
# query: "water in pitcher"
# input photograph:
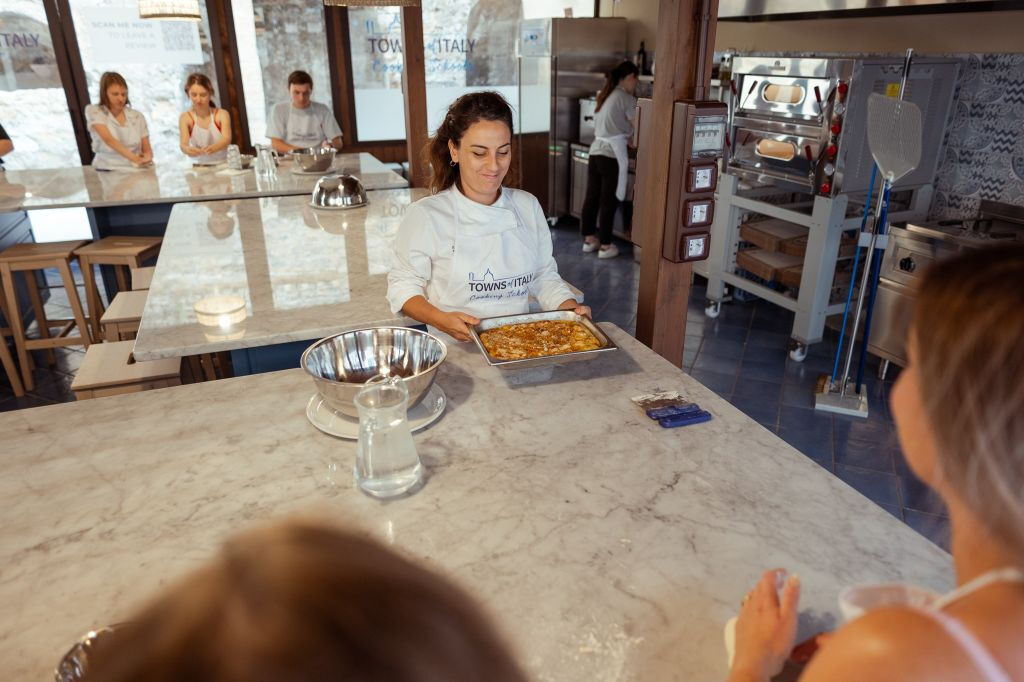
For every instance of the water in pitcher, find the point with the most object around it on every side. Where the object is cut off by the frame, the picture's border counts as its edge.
(386, 461)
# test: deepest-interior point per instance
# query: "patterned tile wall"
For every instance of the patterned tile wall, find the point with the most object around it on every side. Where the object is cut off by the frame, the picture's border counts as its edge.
(984, 154)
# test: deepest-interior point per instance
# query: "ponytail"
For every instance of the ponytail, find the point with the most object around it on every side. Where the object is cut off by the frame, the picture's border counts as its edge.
(463, 112)
(612, 80)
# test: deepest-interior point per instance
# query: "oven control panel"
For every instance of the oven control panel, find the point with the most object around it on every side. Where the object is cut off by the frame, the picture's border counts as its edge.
(698, 143)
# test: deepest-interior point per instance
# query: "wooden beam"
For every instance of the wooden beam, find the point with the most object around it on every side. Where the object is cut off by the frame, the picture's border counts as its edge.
(339, 56)
(664, 291)
(72, 74)
(229, 69)
(414, 89)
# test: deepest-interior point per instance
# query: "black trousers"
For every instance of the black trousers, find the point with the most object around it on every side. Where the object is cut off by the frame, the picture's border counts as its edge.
(600, 203)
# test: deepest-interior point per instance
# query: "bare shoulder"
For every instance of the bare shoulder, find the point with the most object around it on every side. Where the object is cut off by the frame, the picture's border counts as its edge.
(889, 644)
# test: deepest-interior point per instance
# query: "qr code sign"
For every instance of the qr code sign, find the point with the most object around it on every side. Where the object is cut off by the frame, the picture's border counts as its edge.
(180, 36)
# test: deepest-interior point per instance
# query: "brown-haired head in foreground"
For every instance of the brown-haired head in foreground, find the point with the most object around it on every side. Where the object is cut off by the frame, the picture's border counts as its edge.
(301, 601)
(106, 80)
(969, 333)
(463, 112)
(300, 78)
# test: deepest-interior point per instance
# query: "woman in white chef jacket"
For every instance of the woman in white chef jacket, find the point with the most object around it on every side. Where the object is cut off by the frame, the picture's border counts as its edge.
(120, 138)
(474, 248)
(609, 159)
(205, 130)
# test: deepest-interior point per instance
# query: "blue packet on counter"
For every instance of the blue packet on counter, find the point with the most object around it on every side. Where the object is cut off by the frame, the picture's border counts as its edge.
(672, 410)
(698, 417)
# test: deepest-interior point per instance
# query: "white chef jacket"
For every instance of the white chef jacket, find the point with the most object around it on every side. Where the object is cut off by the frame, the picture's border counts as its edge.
(130, 135)
(303, 127)
(423, 250)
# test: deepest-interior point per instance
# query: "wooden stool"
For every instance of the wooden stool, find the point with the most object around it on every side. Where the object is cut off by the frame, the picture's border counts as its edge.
(29, 258)
(122, 253)
(207, 367)
(142, 278)
(110, 369)
(121, 321)
(5, 355)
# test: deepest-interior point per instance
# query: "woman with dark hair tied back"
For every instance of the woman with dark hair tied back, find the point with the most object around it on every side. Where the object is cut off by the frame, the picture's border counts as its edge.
(303, 602)
(959, 412)
(609, 159)
(205, 130)
(474, 248)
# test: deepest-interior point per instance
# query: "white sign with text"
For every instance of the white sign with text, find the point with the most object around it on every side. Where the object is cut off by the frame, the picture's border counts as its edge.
(118, 36)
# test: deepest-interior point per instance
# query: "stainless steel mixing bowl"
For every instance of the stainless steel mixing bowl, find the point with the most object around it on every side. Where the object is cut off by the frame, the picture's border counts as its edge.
(341, 364)
(314, 159)
(338, 191)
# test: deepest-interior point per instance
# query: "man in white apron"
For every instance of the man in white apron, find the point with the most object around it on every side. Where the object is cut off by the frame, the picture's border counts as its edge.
(302, 123)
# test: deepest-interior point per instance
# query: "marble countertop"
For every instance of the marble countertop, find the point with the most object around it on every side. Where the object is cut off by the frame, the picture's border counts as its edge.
(171, 182)
(300, 273)
(607, 547)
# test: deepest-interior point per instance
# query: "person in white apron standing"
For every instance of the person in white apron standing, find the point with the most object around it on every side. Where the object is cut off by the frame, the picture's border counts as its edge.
(474, 248)
(959, 411)
(608, 165)
(302, 123)
(120, 138)
(205, 130)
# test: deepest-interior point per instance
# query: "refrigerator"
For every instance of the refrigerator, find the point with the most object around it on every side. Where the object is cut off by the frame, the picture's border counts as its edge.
(560, 61)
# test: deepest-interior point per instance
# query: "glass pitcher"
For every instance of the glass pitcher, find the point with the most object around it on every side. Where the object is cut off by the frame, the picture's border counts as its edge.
(264, 163)
(386, 461)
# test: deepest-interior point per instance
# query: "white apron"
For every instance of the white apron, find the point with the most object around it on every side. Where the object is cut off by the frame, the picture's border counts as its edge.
(492, 263)
(205, 137)
(618, 145)
(128, 135)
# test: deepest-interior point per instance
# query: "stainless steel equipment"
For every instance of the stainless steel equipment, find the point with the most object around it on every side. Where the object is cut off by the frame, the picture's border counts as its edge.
(915, 248)
(314, 159)
(567, 315)
(817, 9)
(800, 122)
(341, 364)
(338, 191)
(560, 61)
(580, 167)
(776, 120)
(588, 107)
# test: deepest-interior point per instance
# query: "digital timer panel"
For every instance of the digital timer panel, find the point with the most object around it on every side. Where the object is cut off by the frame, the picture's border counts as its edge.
(708, 136)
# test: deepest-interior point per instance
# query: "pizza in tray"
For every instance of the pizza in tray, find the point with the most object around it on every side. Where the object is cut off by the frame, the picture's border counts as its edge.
(538, 339)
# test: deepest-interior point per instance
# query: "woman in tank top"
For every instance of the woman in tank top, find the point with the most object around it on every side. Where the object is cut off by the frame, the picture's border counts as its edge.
(205, 130)
(959, 410)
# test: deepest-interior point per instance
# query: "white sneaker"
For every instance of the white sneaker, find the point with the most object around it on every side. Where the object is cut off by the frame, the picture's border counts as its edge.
(611, 252)
(590, 247)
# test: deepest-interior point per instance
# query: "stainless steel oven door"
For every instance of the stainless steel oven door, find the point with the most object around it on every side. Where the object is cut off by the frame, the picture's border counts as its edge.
(783, 97)
(774, 156)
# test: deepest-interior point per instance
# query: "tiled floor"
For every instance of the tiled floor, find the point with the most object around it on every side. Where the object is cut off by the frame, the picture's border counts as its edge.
(742, 355)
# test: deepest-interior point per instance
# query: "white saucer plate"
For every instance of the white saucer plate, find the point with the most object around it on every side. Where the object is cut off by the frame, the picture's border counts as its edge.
(340, 425)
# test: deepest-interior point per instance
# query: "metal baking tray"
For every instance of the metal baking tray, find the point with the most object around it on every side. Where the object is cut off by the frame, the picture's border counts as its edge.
(491, 322)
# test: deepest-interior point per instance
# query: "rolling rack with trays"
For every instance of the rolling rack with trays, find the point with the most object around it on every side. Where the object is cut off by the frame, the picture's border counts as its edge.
(798, 157)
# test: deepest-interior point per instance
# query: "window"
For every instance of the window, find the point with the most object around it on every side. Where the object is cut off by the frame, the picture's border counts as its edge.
(276, 37)
(33, 108)
(468, 45)
(155, 57)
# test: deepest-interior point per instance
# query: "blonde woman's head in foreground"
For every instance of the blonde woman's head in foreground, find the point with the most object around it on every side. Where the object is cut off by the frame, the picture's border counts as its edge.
(303, 601)
(959, 405)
